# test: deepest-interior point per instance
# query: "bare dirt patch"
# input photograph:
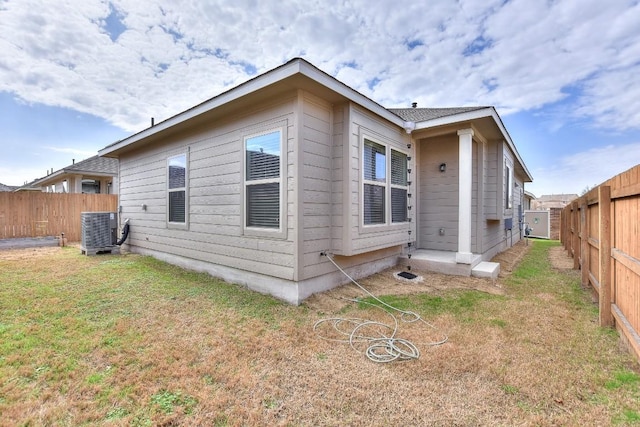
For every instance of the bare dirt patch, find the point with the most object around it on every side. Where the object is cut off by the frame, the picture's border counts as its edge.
(387, 283)
(19, 254)
(559, 258)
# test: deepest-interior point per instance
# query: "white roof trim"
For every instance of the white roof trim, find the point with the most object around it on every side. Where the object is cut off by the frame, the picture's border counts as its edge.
(474, 115)
(264, 80)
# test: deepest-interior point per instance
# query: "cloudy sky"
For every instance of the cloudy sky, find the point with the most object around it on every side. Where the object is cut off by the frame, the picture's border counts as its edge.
(77, 75)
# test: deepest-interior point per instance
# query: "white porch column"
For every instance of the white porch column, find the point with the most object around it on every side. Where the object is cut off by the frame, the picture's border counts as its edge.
(77, 185)
(465, 183)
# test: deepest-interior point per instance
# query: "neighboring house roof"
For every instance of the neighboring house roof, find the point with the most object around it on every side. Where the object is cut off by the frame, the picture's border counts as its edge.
(298, 73)
(93, 166)
(553, 201)
(557, 197)
(7, 187)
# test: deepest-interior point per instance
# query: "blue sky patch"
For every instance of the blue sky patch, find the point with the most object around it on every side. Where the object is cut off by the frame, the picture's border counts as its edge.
(412, 44)
(173, 33)
(373, 83)
(478, 45)
(114, 23)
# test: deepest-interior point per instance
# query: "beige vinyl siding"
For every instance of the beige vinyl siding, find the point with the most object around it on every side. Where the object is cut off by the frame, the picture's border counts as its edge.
(215, 233)
(491, 182)
(438, 197)
(370, 238)
(496, 238)
(340, 179)
(315, 183)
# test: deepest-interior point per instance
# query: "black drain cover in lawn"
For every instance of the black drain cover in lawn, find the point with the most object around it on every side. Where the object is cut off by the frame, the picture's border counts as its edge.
(407, 275)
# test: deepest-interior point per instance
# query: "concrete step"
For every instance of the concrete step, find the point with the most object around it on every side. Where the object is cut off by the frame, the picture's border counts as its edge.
(486, 269)
(439, 262)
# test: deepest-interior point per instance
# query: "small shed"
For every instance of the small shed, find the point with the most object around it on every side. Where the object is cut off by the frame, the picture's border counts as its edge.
(538, 223)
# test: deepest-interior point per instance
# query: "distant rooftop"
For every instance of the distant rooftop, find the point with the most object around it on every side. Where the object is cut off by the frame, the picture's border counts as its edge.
(7, 187)
(96, 165)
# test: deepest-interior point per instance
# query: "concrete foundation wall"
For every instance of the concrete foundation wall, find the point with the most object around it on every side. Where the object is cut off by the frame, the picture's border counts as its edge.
(286, 290)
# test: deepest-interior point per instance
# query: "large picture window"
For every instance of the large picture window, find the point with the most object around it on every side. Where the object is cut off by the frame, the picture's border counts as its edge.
(177, 188)
(263, 178)
(378, 188)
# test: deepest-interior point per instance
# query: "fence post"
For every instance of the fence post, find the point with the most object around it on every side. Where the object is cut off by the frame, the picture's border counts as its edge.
(584, 242)
(604, 240)
(575, 240)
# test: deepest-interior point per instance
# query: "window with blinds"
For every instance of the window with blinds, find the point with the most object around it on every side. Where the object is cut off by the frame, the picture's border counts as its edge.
(375, 182)
(263, 180)
(399, 188)
(378, 188)
(508, 194)
(177, 188)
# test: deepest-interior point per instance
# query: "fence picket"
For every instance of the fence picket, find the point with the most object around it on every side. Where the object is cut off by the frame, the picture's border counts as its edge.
(37, 214)
(616, 203)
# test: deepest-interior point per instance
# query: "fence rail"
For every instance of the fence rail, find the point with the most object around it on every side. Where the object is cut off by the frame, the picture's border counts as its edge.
(600, 232)
(37, 214)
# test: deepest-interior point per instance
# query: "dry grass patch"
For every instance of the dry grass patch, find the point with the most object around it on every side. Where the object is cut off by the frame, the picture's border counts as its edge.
(127, 340)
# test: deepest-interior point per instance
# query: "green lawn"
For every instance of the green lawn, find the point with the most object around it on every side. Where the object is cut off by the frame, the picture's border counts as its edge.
(128, 340)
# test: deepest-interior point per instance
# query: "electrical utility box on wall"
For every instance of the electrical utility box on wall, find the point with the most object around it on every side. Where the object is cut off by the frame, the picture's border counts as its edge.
(99, 232)
(538, 223)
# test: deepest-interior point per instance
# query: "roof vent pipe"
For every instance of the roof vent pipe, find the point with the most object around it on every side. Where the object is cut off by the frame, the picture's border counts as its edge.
(152, 121)
(414, 105)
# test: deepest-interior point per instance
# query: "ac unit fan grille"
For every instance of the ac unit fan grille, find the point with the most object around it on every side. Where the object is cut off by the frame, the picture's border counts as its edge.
(98, 229)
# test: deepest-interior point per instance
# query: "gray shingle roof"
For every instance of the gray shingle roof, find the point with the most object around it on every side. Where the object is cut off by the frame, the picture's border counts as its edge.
(7, 187)
(95, 164)
(423, 114)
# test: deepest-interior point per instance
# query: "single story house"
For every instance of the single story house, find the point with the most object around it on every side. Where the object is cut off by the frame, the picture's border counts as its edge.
(255, 184)
(95, 175)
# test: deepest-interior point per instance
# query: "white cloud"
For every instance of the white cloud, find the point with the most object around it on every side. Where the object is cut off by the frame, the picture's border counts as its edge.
(19, 176)
(76, 151)
(517, 55)
(574, 173)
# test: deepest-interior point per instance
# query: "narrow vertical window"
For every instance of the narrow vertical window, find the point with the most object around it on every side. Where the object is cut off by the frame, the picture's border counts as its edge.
(263, 177)
(375, 182)
(177, 190)
(399, 188)
(508, 194)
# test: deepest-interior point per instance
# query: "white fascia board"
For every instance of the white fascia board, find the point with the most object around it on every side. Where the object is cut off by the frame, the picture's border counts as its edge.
(237, 92)
(474, 115)
(51, 177)
(253, 85)
(349, 93)
(455, 118)
(507, 137)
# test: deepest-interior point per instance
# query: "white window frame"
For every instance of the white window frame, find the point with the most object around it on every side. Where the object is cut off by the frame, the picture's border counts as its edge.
(398, 186)
(185, 189)
(248, 230)
(386, 184)
(508, 190)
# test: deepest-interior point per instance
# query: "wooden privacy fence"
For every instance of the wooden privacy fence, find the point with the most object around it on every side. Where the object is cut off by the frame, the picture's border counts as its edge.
(37, 214)
(600, 232)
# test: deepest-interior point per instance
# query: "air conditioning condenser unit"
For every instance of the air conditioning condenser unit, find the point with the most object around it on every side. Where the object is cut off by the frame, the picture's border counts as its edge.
(99, 232)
